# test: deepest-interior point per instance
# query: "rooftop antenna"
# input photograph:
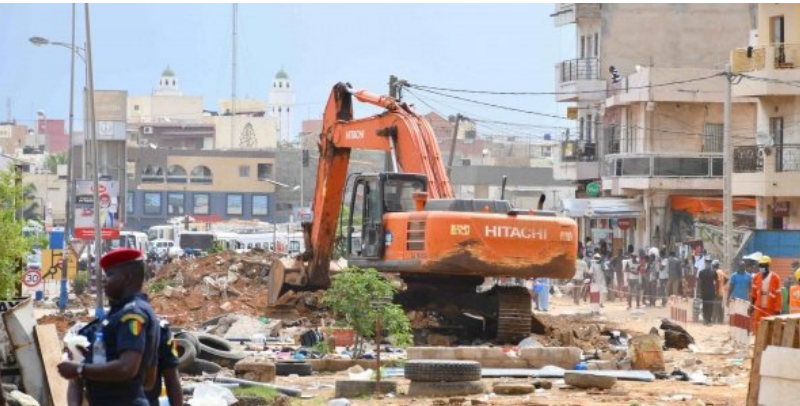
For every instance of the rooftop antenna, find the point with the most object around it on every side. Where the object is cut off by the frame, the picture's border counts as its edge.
(233, 74)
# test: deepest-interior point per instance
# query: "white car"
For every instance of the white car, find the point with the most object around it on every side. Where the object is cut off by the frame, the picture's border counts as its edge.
(168, 247)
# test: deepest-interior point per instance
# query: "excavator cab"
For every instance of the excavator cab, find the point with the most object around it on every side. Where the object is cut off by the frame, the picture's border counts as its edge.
(373, 195)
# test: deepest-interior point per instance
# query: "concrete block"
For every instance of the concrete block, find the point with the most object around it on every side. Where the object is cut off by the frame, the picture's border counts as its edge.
(589, 381)
(563, 357)
(780, 377)
(255, 369)
(510, 388)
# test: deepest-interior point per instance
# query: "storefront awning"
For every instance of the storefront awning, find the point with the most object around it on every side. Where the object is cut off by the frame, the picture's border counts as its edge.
(603, 208)
(702, 204)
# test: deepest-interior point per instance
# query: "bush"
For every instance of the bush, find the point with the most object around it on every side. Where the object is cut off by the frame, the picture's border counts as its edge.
(351, 297)
(80, 283)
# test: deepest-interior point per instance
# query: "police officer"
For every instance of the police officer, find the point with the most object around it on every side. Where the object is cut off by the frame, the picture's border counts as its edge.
(167, 369)
(131, 336)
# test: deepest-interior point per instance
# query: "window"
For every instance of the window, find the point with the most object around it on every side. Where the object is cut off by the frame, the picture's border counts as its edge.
(580, 128)
(398, 194)
(201, 204)
(244, 171)
(279, 109)
(176, 174)
(175, 204)
(583, 46)
(284, 206)
(202, 175)
(152, 174)
(135, 107)
(264, 171)
(234, 205)
(547, 152)
(466, 162)
(589, 125)
(129, 203)
(712, 141)
(596, 45)
(260, 205)
(152, 203)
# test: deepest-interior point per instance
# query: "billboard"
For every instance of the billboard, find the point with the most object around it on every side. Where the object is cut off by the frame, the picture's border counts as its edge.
(84, 209)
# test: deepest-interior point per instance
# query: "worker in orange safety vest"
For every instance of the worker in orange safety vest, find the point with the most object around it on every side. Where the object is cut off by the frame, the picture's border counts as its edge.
(765, 294)
(794, 297)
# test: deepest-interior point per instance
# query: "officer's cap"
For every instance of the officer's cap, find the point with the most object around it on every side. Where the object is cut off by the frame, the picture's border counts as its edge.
(119, 256)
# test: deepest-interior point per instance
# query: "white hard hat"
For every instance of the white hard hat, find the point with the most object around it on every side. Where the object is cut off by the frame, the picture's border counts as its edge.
(715, 262)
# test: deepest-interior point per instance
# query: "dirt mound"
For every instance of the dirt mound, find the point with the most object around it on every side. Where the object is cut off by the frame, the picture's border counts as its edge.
(580, 331)
(190, 291)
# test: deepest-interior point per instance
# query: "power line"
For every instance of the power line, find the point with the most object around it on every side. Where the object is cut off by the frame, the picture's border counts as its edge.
(492, 92)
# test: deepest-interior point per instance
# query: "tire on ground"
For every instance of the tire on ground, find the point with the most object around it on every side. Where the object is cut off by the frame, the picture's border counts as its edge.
(218, 350)
(200, 366)
(288, 368)
(190, 337)
(445, 389)
(354, 388)
(442, 371)
(187, 353)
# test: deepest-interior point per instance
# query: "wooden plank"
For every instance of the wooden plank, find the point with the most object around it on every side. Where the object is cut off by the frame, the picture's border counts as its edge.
(789, 331)
(777, 332)
(762, 339)
(50, 349)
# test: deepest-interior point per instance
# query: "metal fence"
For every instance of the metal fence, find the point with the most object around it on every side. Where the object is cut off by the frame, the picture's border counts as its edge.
(665, 166)
(749, 159)
(580, 69)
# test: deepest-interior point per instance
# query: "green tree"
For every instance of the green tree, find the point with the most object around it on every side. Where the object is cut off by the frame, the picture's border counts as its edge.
(32, 210)
(14, 245)
(352, 296)
(53, 160)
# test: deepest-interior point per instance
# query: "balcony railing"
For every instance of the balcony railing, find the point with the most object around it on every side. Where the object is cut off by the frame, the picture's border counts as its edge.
(774, 56)
(702, 165)
(751, 159)
(579, 69)
(578, 151)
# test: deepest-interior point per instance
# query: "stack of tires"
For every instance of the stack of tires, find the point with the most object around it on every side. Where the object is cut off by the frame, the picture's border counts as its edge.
(200, 353)
(441, 378)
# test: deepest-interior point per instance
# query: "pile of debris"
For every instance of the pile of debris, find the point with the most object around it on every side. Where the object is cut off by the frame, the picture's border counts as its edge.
(190, 291)
(577, 331)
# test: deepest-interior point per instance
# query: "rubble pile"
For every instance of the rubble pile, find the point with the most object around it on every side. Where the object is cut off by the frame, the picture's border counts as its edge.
(190, 291)
(575, 331)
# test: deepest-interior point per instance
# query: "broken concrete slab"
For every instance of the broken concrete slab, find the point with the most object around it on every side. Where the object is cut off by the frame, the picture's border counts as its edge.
(646, 352)
(564, 357)
(255, 369)
(354, 388)
(511, 388)
(589, 381)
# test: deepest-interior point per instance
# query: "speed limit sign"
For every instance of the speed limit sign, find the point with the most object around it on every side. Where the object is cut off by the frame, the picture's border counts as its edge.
(32, 278)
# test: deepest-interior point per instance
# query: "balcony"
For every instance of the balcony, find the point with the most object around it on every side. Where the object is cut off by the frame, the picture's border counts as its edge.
(577, 161)
(773, 171)
(571, 13)
(662, 171)
(579, 79)
(779, 62)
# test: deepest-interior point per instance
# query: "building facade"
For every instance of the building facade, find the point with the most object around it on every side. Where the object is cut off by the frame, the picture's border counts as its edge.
(636, 136)
(281, 105)
(767, 166)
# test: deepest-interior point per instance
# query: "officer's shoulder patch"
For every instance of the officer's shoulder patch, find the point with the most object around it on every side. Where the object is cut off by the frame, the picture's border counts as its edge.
(132, 316)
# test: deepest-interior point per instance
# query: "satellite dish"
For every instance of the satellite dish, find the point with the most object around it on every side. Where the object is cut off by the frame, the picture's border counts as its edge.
(764, 140)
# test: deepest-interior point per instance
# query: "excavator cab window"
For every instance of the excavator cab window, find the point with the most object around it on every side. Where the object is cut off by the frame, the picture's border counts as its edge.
(398, 194)
(366, 218)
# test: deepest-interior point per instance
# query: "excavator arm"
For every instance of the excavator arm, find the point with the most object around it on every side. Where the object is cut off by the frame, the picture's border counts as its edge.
(398, 130)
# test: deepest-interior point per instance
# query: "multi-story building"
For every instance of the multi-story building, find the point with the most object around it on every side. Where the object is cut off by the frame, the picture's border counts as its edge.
(281, 104)
(635, 135)
(768, 166)
(12, 137)
(208, 185)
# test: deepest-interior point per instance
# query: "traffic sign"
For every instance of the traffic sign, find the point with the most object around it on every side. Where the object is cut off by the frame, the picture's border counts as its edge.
(624, 224)
(32, 278)
(77, 246)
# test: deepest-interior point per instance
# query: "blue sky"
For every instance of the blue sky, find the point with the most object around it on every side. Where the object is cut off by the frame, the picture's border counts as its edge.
(494, 47)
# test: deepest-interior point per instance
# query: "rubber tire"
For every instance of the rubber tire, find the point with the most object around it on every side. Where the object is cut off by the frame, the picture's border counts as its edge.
(217, 350)
(288, 368)
(200, 366)
(213, 321)
(189, 354)
(445, 389)
(442, 371)
(190, 337)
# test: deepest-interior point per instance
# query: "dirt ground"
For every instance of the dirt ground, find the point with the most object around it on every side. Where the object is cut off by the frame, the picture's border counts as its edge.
(730, 389)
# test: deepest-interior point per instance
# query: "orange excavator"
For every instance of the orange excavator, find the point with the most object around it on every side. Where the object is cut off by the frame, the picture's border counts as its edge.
(408, 222)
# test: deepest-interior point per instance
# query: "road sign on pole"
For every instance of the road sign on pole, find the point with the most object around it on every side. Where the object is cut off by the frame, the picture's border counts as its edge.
(77, 246)
(32, 278)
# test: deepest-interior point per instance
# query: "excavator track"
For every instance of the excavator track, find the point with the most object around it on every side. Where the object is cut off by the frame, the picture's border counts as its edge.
(513, 314)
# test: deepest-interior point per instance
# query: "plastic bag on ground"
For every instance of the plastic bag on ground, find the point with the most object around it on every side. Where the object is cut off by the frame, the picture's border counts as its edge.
(209, 394)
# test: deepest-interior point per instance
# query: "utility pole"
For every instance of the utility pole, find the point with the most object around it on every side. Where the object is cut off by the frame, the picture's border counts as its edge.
(394, 92)
(727, 173)
(63, 294)
(98, 241)
(453, 145)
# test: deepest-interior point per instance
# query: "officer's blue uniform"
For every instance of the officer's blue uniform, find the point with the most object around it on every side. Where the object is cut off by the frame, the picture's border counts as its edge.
(131, 325)
(167, 358)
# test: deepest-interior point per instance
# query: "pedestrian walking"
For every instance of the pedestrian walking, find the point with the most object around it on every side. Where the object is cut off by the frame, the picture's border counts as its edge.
(543, 294)
(122, 359)
(707, 286)
(765, 295)
(598, 288)
(675, 274)
(722, 282)
(617, 280)
(651, 283)
(631, 267)
(581, 268)
(740, 284)
(663, 279)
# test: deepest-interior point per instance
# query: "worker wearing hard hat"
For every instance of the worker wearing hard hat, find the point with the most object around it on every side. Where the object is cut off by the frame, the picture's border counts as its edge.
(765, 295)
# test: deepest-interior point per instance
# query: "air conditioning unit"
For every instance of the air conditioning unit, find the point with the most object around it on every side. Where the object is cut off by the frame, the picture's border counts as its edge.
(147, 130)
